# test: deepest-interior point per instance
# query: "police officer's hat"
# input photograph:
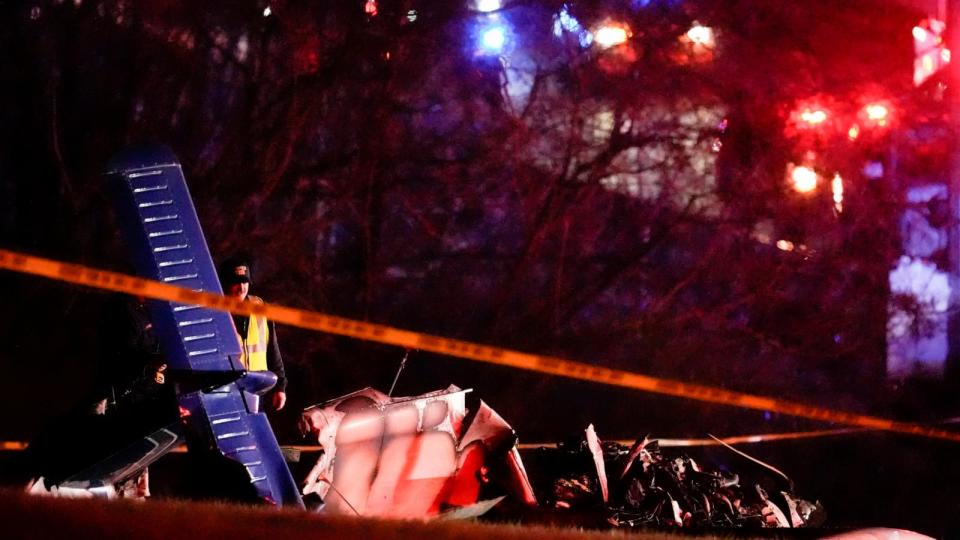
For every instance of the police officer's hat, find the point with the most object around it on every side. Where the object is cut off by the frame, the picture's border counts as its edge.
(234, 270)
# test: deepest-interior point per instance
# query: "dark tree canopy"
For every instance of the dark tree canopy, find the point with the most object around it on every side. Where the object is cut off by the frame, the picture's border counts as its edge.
(619, 206)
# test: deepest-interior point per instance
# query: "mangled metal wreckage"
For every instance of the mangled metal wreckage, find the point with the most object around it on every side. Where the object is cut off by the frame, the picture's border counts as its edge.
(411, 457)
(642, 485)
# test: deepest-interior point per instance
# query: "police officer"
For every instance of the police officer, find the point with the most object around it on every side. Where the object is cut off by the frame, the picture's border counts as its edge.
(261, 350)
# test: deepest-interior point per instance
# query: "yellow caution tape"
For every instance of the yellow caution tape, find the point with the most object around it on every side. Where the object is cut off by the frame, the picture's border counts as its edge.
(13, 445)
(664, 443)
(113, 281)
(737, 439)
(750, 439)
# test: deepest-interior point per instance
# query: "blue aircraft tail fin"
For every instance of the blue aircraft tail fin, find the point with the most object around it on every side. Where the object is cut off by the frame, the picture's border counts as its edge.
(162, 231)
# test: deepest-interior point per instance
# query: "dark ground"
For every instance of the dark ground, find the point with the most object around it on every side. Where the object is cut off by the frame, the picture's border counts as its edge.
(35, 518)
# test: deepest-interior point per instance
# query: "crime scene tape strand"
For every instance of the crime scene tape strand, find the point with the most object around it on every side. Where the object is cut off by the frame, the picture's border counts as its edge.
(102, 279)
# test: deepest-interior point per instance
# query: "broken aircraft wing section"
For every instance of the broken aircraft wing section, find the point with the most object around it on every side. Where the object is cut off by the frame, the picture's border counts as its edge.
(162, 231)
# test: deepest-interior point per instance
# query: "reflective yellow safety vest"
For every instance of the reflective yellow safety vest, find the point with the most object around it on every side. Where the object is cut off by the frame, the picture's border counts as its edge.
(254, 351)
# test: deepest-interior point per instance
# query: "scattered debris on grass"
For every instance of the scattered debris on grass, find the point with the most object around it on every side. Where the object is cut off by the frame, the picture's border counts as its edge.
(644, 486)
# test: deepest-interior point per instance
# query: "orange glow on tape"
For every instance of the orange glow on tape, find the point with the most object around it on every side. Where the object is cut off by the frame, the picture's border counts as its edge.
(101, 279)
(13, 445)
(664, 443)
(739, 439)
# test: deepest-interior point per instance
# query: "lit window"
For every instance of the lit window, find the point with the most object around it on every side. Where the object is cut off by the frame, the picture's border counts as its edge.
(804, 179)
(488, 5)
(610, 35)
(494, 39)
(785, 245)
(701, 35)
(836, 186)
(813, 117)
